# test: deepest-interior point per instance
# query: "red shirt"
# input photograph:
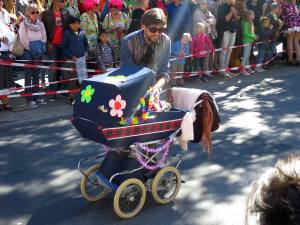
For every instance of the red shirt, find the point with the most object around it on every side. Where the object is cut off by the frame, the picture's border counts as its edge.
(58, 32)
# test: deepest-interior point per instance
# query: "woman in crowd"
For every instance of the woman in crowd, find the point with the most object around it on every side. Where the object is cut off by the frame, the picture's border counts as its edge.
(291, 19)
(89, 24)
(72, 8)
(137, 14)
(33, 37)
(6, 72)
(203, 15)
(236, 54)
(117, 24)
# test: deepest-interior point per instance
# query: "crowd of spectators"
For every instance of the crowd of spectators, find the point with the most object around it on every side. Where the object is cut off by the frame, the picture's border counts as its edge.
(61, 30)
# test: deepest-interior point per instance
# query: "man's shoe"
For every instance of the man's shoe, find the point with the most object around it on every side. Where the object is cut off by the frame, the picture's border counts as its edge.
(204, 79)
(41, 101)
(33, 104)
(260, 70)
(226, 75)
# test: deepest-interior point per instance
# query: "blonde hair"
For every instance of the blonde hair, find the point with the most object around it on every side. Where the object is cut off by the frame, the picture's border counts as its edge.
(200, 25)
(31, 7)
(187, 36)
(247, 18)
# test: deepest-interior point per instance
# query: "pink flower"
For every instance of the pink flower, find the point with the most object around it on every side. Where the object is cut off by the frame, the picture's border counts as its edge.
(117, 106)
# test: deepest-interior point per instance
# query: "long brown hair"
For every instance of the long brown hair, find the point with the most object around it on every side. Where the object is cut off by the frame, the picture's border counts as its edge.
(247, 18)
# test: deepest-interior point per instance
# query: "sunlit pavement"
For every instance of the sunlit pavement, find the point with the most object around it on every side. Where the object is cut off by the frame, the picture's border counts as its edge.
(39, 182)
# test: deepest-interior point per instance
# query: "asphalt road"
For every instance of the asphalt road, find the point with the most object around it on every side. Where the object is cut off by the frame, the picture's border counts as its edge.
(39, 181)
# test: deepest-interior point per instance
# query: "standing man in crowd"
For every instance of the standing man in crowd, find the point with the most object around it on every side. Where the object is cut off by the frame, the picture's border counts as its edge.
(227, 17)
(179, 19)
(55, 21)
(149, 47)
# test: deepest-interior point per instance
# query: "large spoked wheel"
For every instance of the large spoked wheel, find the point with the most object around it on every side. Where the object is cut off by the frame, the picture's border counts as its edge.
(166, 185)
(129, 198)
(90, 188)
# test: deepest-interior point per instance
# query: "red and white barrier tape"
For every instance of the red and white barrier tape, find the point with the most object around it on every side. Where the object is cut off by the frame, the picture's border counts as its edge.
(216, 50)
(198, 73)
(41, 93)
(34, 66)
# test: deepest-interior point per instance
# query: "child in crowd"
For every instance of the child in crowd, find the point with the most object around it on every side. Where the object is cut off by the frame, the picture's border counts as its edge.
(248, 38)
(264, 34)
(201, 46)
(74, 45)
(275, 25)
(180, 49)
(104, 52)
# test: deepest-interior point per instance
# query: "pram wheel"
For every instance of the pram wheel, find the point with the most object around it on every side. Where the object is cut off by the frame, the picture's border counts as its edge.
(91, 189)
(166, 185)
(129, 198)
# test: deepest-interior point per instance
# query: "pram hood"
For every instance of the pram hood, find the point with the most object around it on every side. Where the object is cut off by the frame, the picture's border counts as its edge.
(103, 99)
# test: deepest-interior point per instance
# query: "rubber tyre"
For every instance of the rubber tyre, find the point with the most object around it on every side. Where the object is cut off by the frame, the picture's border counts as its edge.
(83, 184)
(121, 188)
(157, 178)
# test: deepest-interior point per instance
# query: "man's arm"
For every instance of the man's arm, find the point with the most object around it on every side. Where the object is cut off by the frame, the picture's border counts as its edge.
(125, 54)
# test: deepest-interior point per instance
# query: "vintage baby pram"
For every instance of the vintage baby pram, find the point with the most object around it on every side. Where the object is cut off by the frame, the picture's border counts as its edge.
(114, 110)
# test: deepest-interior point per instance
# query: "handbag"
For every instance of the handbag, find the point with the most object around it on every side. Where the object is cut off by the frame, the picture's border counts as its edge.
(17, 47)
(37, 48)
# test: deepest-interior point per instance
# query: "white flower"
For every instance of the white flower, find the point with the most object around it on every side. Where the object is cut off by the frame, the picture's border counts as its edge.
(117, 106)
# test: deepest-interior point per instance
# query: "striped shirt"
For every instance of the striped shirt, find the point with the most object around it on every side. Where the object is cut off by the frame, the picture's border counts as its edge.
(105, 56)
(133, 48)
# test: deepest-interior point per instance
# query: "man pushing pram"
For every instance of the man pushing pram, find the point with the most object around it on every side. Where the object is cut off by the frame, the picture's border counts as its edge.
(120, 111)
(149, 47)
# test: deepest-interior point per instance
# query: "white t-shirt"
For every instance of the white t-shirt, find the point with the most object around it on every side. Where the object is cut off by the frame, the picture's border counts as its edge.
(4, 17)
(7, 32)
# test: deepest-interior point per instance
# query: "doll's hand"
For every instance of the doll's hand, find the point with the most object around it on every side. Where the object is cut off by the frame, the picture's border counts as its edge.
(5, 40)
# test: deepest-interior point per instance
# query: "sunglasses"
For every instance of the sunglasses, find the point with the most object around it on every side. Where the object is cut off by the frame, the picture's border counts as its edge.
(113, 7)
(61, 1)
(154, 29)
(34, 13)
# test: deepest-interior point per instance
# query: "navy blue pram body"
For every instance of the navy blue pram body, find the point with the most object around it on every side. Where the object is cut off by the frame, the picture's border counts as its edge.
(93, 118)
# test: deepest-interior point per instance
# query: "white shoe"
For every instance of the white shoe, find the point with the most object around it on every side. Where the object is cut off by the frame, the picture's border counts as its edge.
(260, 70)
(33, 104)
(41, 101)
(209, 74)
(244, 72)
(250, 70)
(226, 75)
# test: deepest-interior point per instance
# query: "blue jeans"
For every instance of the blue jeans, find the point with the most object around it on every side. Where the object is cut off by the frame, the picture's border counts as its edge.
(31, 75)
(246, 54)
(261, 53)
(200, 65)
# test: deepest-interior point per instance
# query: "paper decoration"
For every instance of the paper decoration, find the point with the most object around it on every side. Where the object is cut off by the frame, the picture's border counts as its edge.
(87, 93)
(102, 108)
(116, 106)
